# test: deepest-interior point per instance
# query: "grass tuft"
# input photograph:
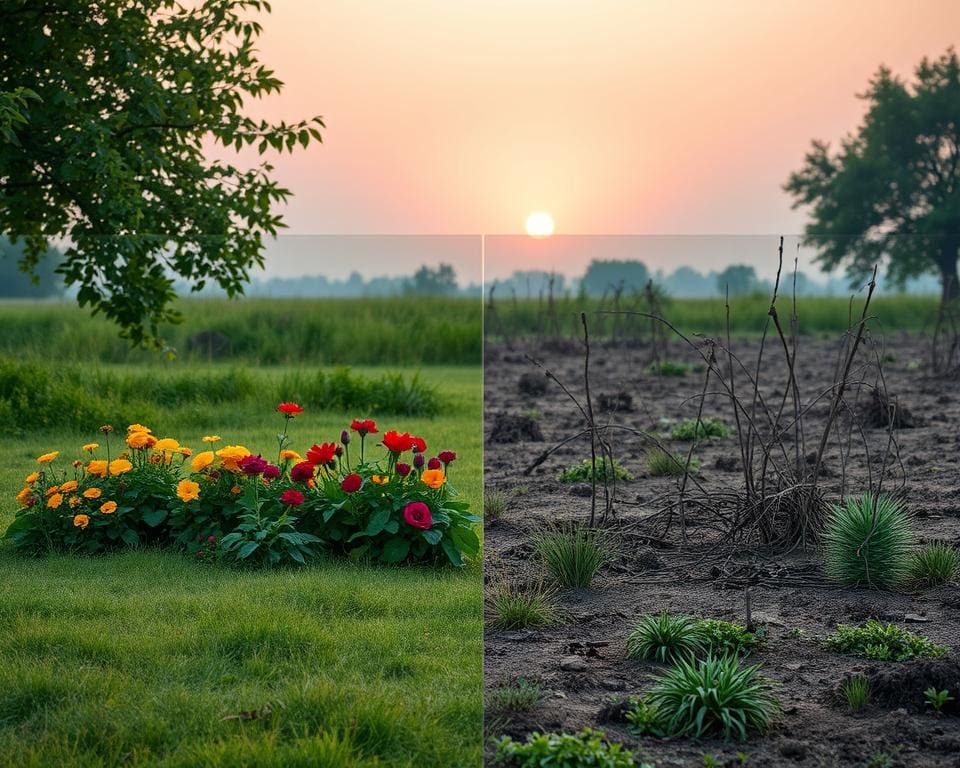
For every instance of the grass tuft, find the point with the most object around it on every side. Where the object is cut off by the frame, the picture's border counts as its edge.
(607, 469)
(663, 637)
(572, 556)
(520, 695)
(691, 429)
(511, 606)
(856, 690)
(933, 566)
(661, 463)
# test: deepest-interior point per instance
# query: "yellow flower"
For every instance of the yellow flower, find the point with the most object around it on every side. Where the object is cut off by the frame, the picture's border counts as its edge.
(139, 439)
(231, 455)
(69, 486)
(23, 496)
(380, 479)
(81, 521)
(55, 501)
(97, 467)
(120, 466)
(48, 457)
(433, 477)
(212, 438)
(32, 477)
(91, 447)
(188, 490)
(75, 501)
(185, 452)
(290, 455)
(236, 490)
(108, 507)
(138, 428)
(52, 490)
(201, 461)
(92, 493)
(167, 444)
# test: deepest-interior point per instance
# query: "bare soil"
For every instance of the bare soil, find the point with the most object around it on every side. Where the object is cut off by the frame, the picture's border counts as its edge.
(791, 597)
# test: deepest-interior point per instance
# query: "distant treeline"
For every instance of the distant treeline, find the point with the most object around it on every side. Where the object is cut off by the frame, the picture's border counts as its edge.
(604, 277)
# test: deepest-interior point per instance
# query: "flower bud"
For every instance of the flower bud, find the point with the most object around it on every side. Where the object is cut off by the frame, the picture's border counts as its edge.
(418, 460)
(345, 437)
(434, 463)
(403, 469)
(339, 450)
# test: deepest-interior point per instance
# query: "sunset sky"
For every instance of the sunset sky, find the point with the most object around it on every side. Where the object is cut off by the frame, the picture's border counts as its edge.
(639, 116)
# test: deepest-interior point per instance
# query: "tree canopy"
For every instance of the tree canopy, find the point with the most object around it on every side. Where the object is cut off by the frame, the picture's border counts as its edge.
(892, 189)
(612, 274)
(108, 110)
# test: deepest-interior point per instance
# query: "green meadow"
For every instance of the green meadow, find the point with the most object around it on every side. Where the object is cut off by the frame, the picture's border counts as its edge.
(149, 658)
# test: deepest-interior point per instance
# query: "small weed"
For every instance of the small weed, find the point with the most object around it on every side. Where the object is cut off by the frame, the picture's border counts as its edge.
(607, 469)
(669, 368)
(857, 692)
(934, 565)
(520, 696)
(514, 607)
(691, 429)
(883, 642)
(937, 699)
(494, 504)
(728, 637)
(880, 760)
(709, 761)
(572, 556)
(564, 750)
(644, 718)
(661, 463)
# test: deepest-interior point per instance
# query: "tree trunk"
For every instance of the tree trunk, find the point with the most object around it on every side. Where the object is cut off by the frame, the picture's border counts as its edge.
(949, 279)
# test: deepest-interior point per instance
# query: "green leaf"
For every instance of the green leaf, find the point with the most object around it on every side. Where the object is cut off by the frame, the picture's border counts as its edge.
(378, 521)
(395, 549)
(154, 517)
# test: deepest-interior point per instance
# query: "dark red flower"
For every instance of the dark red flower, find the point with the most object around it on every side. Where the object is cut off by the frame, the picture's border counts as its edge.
(397, 442)
(447, 456)
(211, 539)
(345, 437)
(271, 471)
(302, 472)
(252, 465)
(419, 444)
(403, 469)
(434, 463)
(364, 426)
(418, 461)
(417, 515)
(351, 483)
(289, 409)
(322, 454)
(291, 498)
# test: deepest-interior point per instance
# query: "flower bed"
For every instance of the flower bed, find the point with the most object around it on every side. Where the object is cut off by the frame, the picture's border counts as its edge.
(231, 504)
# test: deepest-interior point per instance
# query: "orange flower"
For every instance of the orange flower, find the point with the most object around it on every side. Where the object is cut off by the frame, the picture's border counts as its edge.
(167, 444)
(236, 489)
(81, 521)
(23, 496)
(48, 457)
(139, 428)
(108, 507)
(75, 501)
(433, 478)
(380, 479)
(32, 477)
(55, 501)
(212, 438)
(52, 490)
(201, 461)
(97, 467)
(139, 439)
(120, 466)
(289, 455)
(188, 490)
(69, 486)
(185, 452)
(92, 493)
(231, 455)
(91, 447)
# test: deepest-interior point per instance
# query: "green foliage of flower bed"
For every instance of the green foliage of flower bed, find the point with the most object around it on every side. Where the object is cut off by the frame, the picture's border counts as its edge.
(883, 642)
(564, 750)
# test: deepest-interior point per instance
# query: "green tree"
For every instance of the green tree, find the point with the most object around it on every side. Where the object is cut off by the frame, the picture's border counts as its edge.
(739, 279)
(441, 281)
(108, 111)
(608, 274)
(893, 187)
(16, 284)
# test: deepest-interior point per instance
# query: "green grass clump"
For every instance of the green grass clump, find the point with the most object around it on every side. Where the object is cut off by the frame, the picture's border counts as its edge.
(572, 556)
(494, 504)
(691, 429)
(856, 690)
(519, 696)
(934, 565)
(867, 542)
(663, 637)
(661, 463)
(607, 470)
(713, 696)
(511, 606)
(883, 642)
(669, 368)
(563, 750)
(727, 637)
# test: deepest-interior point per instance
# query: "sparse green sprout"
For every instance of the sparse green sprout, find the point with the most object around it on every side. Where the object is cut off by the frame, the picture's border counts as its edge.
(934, 565)
(664, 638)
(494, 504)
(520, 696)
(857, 692)
(937, 699)
(866, 541)
(669, 368)
(709, 761)
(572, 555)
(880, 760)
(661, 463)
(512, 606)
(607, 471)
(563, 750)
(691, 429)
(882, 642)
(728, 637)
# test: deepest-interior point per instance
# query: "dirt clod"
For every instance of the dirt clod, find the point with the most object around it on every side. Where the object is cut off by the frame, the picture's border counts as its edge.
(514, 428)
(532, 384)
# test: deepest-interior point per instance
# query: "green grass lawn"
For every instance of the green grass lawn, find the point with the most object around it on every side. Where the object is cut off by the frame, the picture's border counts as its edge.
(149, 658)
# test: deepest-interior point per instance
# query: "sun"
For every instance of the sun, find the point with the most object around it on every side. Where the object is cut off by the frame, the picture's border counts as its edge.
(539, 224)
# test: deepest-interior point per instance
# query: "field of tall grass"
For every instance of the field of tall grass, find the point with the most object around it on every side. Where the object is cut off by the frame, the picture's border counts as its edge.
(532, 317)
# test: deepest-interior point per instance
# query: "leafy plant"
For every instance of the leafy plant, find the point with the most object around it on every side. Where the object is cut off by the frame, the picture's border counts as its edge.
(669, 368)
(933, 565)
(661, 463)
(937, 699)
(513, 607)
(663, 637)
(691, 429)
(271, 542)
(728, 637)
(856, 690)
(563, 750)
(867, 541)
(644, 718)
(883, 642)
(572, 556)
(607, 470)
(715, 695)
(520, 696)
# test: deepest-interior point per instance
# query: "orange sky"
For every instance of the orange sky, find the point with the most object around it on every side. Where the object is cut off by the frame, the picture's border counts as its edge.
(640, 116)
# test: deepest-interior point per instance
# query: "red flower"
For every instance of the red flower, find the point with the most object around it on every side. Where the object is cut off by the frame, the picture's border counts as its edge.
(289, 409)
(322, 454)
(417, 515)
(291, 498)
(447, 456)
(252, 465)
(396, 442)
(351, 483)
(403, 469)
(419, 444)
(364, 426)
(271, 471)
(434, 463)
(302, 472)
